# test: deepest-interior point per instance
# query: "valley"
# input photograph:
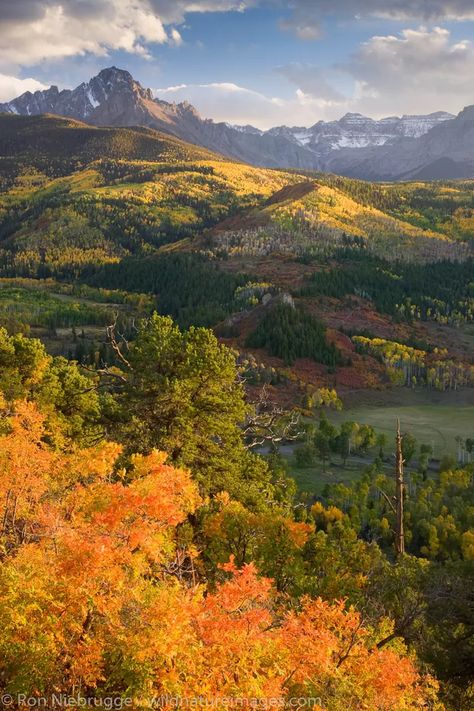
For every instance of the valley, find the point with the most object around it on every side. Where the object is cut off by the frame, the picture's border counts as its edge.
(219, 244)
(205, 362)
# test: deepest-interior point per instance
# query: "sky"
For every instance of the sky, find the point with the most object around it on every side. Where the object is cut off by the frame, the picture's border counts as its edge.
(259, 62)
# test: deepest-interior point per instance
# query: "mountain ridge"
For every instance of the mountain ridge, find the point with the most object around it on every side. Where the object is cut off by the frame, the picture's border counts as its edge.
(391, 148)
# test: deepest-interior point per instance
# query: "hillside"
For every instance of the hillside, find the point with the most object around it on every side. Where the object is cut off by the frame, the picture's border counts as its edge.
(318, 216)
(160, 223)
(74, 195)
(59, 146)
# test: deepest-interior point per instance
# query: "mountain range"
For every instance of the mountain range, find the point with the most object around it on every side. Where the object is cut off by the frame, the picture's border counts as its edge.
(435, 146)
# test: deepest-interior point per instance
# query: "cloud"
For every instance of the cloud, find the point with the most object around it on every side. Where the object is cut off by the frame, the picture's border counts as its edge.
(310, 80)
(307, 16)
(225, 102)
(304, 28)
(418, 70)
(237, 105)
(175, 38)
(71, 29)
(11, 87)
(35, 30)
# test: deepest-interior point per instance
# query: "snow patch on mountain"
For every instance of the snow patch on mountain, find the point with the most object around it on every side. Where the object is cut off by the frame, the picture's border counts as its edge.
(348, 145)
(357, 131)
(92, 100)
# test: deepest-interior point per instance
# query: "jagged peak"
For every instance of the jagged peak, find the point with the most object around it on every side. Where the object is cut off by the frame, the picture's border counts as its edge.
(467, 113)
(115, 73)
(354, 115)
(114, 79)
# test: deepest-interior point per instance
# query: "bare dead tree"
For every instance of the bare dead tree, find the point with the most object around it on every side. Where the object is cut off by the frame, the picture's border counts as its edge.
(108, 374)
(118, 342)
(270, 424)
(399, 492)
(182, 567)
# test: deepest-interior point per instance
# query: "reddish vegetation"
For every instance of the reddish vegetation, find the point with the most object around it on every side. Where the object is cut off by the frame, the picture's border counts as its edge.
(358, 315)
(362, 372)
(351, 315)
(342, 341)
(258, 217)
(293, 192)
(280, 270)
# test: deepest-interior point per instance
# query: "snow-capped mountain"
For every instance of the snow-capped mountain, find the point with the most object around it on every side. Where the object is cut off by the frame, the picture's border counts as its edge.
(353, 145)
(82, 102)
(114, 98)
(357, 131)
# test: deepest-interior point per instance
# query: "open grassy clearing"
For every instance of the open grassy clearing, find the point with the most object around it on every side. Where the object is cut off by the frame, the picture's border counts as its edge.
(313, 479)
(433, 418)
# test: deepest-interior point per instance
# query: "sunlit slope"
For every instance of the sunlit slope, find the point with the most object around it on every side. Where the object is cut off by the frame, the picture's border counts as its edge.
(324, 214)
(58, 146)
(74, 196)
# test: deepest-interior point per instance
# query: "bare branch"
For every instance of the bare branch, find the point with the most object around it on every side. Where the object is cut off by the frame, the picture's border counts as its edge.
(112, 334)
(387, 499)
(105, 372)
(270, 423)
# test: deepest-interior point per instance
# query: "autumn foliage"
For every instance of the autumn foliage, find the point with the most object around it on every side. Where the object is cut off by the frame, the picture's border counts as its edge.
(99, 594)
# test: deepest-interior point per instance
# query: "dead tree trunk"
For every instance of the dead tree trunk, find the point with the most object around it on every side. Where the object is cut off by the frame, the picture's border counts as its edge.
(399, 491)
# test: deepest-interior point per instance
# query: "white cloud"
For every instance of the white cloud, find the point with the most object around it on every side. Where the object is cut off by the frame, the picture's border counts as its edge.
(235, 104)
(417, 71)
(59, 33)
(35, 30)
(175, 37)
(224, 102)
(11, 87)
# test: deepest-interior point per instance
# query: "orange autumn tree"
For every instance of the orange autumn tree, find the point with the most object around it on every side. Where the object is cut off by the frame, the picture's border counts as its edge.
(84, 554)
(98, 596)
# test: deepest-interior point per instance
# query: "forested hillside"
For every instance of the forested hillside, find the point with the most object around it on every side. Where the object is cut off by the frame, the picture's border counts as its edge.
(215, 243)
(237, 355)
(135, 517)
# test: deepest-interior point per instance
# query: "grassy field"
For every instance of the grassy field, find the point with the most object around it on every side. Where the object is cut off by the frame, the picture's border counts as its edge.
(433, 418)
(312, 480)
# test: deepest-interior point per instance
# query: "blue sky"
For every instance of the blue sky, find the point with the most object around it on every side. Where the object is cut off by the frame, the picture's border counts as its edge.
(265, 62)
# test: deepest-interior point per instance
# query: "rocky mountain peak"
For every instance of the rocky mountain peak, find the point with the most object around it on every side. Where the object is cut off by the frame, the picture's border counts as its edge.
(118, 81)
(354, 145)
(352, 115)
(115, 75)
(466, 115)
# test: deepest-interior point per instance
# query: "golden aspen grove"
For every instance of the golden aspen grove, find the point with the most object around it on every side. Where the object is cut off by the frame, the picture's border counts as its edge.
(236, 398)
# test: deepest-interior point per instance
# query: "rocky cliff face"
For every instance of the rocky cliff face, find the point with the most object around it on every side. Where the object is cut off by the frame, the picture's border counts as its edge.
(355, 145)
(357, 131)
